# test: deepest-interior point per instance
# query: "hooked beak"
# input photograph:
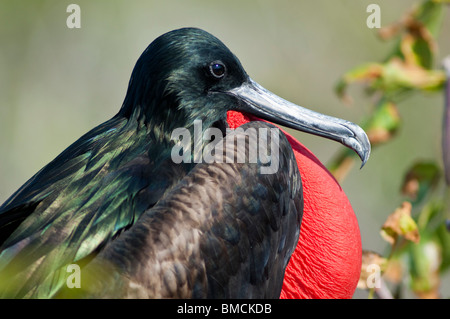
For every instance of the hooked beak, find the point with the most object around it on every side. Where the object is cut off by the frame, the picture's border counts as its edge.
(263, 103)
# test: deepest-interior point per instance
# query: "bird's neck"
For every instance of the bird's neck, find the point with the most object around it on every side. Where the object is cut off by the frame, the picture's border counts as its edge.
(173, 133)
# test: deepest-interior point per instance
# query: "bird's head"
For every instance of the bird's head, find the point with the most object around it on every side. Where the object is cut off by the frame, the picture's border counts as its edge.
(178, 77)
(189, 74)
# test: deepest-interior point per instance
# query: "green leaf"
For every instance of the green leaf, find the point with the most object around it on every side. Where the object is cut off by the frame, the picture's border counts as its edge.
(400, 223)
(425, 261)
(420, 179)
(384, 122)
(443, 238)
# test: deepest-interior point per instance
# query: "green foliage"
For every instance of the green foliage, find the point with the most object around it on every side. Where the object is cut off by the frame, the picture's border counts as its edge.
(419, 241)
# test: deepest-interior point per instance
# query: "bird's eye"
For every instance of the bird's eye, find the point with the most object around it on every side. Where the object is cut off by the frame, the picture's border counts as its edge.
(217, 69)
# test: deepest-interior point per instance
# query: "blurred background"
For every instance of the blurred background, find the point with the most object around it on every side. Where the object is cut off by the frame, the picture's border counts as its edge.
(57, 83)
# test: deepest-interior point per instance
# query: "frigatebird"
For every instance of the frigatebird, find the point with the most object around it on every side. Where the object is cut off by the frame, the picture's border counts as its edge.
(117, 204)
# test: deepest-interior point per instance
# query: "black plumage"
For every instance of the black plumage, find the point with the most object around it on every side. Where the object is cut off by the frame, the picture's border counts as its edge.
(224, 231)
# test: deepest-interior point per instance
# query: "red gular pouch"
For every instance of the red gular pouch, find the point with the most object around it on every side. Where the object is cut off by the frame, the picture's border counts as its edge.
(327, 260)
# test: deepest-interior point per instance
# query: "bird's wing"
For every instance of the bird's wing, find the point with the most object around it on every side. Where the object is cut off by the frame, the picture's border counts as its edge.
(225, 231)
(69, 209)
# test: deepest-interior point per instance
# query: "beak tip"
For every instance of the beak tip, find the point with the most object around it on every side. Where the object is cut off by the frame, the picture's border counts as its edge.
(360, 143)
(364, 160)
(364, 152)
